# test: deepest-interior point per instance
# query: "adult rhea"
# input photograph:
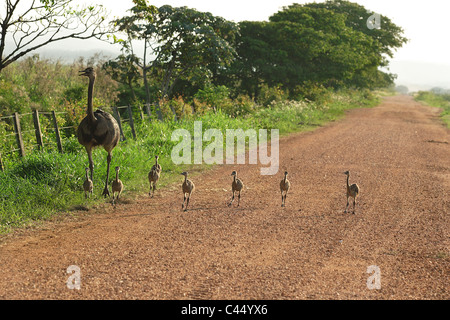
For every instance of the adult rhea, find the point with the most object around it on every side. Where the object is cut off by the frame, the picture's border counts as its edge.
(98, 128)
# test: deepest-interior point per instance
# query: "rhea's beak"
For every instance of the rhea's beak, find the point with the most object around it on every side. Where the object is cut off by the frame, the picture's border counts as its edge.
(82, 73)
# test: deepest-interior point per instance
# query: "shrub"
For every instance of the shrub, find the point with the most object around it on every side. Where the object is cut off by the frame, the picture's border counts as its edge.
(268, 95)
(216, 97)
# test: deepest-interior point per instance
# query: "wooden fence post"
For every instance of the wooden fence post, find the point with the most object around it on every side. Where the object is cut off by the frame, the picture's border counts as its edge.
(158, 111)
(119, 122)
(141, 112)
(18, 131)
(130, 115)
(174, 113)
(149, 111)
(58, 135)
(37, 128)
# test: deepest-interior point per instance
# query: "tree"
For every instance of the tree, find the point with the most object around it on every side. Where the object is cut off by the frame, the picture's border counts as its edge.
(301, 45)
(402, 89)
(124, 69)
(179, 44)
(314, 45)
(192, 45)
(32, 24)
(387, 38)
(136, 27)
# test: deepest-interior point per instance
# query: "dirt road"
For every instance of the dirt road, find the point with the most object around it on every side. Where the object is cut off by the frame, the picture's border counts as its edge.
(398, 153)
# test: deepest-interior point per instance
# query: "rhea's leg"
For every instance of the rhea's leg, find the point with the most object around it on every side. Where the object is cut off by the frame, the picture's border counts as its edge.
(108, 160)
(91, 162)
(239, 198)
(346, 206)
(184, 199)
(232, 199)
(187, 202)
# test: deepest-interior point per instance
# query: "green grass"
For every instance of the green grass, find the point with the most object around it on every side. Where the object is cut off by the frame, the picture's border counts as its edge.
(437, 100)
(43, 183)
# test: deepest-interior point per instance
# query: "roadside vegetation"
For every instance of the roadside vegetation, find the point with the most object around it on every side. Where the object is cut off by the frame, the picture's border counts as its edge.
(439, 100)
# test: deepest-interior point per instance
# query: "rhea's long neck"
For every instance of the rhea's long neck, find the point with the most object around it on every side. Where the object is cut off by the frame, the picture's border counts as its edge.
(117, 175)
(348, 185)
(90, 106)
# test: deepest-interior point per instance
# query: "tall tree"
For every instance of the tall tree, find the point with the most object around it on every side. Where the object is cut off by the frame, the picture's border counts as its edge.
(387, 37)
(27, 25)
(124, 69)
(179, 43)
(314, 44)
(137, 27)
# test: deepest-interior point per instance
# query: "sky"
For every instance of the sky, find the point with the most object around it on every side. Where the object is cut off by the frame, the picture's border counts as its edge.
(422, 63)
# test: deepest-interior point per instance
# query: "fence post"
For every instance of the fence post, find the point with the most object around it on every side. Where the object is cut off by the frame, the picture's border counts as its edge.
(119, 122)
(18, 131)
(58, 136)
(174, 113)
(130, 115)
(141, 113)
(37, 128)
(149, 111)
(158, 111)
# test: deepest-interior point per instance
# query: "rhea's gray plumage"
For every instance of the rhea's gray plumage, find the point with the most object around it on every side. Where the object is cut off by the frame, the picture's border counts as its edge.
(98, 128)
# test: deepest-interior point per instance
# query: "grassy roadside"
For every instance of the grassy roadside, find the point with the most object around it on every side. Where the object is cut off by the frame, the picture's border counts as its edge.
(436, 100)
(44, 183)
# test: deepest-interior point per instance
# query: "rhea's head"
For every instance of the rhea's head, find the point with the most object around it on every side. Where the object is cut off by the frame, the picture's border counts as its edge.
(88, 72)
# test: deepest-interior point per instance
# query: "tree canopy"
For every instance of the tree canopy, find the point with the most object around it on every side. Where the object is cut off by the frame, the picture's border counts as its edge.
(327, 44)
(28, 25)
(180, 44)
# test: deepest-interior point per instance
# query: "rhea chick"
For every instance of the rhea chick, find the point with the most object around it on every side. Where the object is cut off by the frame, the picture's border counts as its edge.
(88, 185)
(153, 176)
(352, 191)
(284, 187)
(236, 186)
(187, 187)
(117, 186)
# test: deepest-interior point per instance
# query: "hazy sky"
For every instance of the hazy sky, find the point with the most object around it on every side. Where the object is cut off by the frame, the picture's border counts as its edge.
(426, 25)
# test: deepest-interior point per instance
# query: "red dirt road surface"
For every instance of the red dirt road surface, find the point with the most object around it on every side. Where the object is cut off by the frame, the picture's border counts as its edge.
(399, 155)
